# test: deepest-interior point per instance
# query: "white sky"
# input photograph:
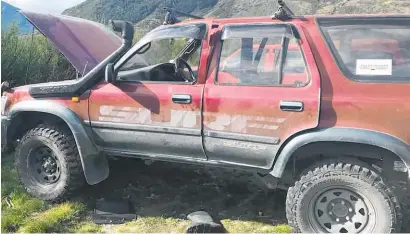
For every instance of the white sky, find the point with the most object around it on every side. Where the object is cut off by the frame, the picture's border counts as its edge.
(44, 6)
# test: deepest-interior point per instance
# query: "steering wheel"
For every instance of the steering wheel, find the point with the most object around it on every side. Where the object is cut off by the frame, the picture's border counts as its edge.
(180, 65)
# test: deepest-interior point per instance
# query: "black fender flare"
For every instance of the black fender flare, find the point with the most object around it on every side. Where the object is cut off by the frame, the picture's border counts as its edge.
(95, 164)
(339, 134)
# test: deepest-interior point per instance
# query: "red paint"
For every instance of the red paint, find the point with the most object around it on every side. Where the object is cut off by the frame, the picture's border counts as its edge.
(264, 101)
(343, 102)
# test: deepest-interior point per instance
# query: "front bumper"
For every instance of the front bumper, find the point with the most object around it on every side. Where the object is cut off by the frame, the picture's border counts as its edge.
(5, 121)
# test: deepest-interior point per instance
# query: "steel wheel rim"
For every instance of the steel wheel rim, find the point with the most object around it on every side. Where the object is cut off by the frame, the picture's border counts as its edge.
(44, 165)
(340, 210)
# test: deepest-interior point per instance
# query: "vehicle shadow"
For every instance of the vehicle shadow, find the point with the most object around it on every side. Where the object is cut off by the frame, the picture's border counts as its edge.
(175, 190)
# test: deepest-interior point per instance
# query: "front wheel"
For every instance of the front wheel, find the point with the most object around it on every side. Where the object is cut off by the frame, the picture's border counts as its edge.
(48, 163)
(342, 198)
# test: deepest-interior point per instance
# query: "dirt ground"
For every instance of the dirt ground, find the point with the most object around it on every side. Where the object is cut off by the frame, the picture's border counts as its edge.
(175, 190)
(170, 190)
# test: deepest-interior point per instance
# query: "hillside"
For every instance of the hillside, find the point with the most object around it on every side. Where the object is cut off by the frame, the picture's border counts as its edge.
(132, 10)
(137, 10)
(148, 14)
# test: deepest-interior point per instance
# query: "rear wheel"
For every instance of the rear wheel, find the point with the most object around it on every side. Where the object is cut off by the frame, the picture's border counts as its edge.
(342, 198)
(48, 163)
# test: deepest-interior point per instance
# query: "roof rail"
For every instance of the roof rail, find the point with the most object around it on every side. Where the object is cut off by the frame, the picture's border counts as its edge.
(283, 12)
(171, 16)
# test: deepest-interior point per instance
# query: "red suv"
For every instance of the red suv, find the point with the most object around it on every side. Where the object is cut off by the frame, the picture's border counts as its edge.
(315, 105)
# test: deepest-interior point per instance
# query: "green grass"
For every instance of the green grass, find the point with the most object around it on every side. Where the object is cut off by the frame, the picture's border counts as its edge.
(51, 219)
(239, 226)
(88, 227)
(172, 225)
(23, 213)
(15, 203)
(153, 225)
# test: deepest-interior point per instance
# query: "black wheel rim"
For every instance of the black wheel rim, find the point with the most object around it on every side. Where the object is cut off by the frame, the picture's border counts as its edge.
(44, 165)
(340, 210)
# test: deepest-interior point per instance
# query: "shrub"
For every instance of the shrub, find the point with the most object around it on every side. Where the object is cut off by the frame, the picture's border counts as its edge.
(31, 58)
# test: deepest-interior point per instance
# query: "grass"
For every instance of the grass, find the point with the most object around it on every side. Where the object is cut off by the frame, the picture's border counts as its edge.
(172, 225)
(50, 220)
(153, 225)
(88, 227)
(15, 203)
(239, 226)
(23, 213)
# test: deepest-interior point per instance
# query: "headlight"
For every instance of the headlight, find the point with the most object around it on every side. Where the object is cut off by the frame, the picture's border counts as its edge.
(4, 100)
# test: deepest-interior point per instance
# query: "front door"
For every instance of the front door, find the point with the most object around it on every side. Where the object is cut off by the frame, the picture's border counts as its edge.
(153, 107)
(264, 88)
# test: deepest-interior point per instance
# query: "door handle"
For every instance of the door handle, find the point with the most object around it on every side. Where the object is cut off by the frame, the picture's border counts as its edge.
(291, 106)
(181, 98)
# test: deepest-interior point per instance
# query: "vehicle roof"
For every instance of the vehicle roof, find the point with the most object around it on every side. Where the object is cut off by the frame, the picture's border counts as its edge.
(304, 18)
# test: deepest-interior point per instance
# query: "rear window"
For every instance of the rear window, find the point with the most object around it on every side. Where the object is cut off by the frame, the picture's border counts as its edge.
(370, 49)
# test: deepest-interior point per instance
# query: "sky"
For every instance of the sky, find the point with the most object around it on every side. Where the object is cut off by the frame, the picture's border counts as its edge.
(44, 6)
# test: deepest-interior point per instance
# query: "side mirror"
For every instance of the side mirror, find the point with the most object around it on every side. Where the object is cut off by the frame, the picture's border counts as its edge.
(5, 85)
(109, 73)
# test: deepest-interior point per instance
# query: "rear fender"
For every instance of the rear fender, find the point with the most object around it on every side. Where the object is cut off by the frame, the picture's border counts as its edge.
(347, 135)
(95, 164)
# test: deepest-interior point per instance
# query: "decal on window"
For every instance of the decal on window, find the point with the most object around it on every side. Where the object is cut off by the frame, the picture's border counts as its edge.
(374, 67)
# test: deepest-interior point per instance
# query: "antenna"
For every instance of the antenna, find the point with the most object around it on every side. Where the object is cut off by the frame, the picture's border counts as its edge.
(283, 12)
(171, 16)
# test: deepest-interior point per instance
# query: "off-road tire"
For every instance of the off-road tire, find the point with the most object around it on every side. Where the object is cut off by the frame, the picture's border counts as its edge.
(359, 178)
(62, 143)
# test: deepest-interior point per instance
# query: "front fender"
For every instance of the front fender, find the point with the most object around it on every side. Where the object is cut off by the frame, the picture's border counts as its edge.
(95, 164)
(348, 135)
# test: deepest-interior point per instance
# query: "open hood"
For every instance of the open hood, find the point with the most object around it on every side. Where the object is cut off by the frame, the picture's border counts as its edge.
(83, 42)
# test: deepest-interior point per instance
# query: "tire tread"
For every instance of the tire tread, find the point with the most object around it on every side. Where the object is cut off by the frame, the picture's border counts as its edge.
(65, 142)
(355, 170)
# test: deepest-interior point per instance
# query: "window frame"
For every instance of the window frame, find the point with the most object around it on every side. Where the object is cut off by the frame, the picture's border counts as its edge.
(344, 23)
(296, 35)
(132, 52)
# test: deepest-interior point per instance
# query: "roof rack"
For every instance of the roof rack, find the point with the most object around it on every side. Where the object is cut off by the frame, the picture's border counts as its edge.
(283, 12)
(171, 16)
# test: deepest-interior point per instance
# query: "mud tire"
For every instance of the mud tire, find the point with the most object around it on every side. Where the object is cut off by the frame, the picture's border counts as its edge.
(357, 177)
(63, 146)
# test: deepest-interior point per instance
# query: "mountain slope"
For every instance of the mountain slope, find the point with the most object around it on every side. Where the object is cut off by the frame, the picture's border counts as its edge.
(148, 14)
(132, 10)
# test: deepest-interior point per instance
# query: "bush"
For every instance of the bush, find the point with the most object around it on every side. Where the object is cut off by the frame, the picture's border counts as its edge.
(31, 58)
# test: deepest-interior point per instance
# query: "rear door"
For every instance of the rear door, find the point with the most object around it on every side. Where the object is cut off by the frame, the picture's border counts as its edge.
(249, 112)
